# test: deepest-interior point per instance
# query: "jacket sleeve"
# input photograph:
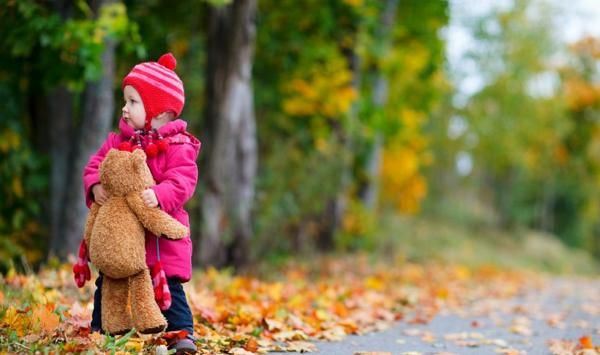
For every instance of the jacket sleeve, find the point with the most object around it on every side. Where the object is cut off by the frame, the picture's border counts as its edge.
(179, 179)
(91, 173)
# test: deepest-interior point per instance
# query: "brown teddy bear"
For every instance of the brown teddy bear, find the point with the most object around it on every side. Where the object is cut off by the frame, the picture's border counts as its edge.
(114, 235)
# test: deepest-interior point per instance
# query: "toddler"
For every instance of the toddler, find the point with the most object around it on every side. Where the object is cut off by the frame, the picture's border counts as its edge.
(154, 98)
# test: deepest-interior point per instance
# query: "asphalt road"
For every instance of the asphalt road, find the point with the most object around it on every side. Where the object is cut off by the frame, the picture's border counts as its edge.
(564, 309)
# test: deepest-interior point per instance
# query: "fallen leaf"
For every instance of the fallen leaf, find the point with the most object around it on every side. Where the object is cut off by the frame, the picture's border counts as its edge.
(240, 351)
(561, 347)
(586, 342)
(251, 345)
(301, 347)
(48, 320)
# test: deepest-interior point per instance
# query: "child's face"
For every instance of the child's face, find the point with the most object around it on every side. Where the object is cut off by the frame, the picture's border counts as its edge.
(133, 111)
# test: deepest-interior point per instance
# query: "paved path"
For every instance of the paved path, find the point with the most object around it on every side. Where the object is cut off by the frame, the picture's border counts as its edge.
(563, 309)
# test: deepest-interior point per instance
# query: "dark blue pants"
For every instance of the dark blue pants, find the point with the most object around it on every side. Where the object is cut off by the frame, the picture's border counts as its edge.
(179, 316)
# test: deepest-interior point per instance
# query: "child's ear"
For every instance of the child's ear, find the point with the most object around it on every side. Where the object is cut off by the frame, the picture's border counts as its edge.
(139, 159)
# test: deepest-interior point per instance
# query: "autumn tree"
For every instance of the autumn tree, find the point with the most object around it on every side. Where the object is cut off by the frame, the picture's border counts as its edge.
(53, 53)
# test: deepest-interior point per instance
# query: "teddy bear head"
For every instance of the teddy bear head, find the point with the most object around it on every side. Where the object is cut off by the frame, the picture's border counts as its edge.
(122, 172)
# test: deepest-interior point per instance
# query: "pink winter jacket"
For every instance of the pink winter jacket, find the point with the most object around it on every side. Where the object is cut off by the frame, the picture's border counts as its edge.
(176, 174)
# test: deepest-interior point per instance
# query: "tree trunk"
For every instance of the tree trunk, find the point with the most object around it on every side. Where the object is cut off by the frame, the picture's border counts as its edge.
(60, 104)
(98, 109)
(370, 191)
(230, 137)
(98, 113)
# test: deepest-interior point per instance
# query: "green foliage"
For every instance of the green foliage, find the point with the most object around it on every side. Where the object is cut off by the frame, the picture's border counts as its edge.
(23, 183)
(315, 80)
(219, 3)
(42, 50)
(532, 147)
(290, 198)
(303, 90)
(359, 229)
(171, 27)
(410, 56)
(64, 51)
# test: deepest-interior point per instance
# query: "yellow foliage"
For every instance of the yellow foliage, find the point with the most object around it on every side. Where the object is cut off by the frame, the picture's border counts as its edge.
(353, 3)
(581, 94)
(358, 221)
(179, 47)
(17, 187)
(561, 155)
(9, 140)
(326, 90)
(531, 157)
(593, 147)
(412, 119)
(374, 283)
(589, 45)
(402, 184)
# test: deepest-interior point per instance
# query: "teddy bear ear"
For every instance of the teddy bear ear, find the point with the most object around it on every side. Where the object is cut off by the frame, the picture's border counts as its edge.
(112, 151)
(139, 158)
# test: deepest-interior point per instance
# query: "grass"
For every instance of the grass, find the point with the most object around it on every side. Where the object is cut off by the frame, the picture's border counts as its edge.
(467, 235)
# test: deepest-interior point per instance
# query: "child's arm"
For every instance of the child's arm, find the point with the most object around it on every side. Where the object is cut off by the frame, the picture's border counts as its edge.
(180, 177)
(91, 174)
(155, 220)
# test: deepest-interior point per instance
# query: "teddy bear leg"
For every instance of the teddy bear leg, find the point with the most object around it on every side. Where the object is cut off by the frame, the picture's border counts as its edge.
(116, 318)
(147, 317)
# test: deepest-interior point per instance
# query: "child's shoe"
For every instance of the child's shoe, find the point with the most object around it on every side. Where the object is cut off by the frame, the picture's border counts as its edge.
(183, 346)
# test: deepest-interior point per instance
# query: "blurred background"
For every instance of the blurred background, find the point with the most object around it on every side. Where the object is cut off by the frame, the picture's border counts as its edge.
(463, 130)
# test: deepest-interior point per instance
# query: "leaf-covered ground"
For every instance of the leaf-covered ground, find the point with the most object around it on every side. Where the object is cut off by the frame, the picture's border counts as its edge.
(285, 312)
(558, 316)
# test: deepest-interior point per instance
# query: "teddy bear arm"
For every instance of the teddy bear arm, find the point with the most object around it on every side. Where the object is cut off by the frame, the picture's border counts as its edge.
(156, 220)
(89, 223)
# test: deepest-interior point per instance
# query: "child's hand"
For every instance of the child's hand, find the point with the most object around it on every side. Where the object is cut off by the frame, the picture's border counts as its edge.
(100, 195)
(149, 198)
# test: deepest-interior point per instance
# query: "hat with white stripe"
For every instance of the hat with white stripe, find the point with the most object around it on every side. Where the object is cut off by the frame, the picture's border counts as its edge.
(159, 87)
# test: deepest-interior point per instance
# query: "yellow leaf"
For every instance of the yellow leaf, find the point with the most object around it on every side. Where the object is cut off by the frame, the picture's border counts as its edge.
(354, 3)
(15, 320)
(135, 345)
(321, 315)
(374, 283)
(17, 186)
(442, 292)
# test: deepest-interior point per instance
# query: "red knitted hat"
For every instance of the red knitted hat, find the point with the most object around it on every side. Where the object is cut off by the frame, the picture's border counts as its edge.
(160, 88)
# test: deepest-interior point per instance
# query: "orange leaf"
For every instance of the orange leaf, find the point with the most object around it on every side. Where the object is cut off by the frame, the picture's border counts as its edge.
(586, 342)
(48, 320)
(251, 345)
(178, 334)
